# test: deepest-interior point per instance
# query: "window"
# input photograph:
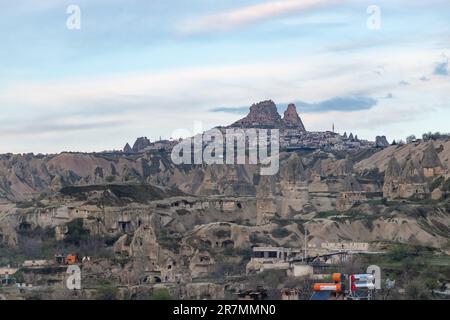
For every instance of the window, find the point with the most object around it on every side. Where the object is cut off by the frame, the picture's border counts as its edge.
(258, 254)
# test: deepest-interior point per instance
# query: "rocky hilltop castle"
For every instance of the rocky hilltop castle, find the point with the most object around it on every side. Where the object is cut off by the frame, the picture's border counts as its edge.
(265, 115)
(293, 134)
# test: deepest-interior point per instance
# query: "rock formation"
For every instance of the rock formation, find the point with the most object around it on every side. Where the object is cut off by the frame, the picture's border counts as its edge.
(265, 115)
(291, 118)
(293, 170)
(412, 172)
(381, 142)
(141, 144)
(266, 207)
(431, 163)
(411, 182)
(391, 176)
(127, 149)
(262, 114)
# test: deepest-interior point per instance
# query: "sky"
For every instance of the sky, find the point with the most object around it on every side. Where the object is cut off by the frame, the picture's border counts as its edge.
(158, 68)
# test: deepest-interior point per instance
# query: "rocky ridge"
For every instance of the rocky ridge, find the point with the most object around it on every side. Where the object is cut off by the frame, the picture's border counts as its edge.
(265, 115)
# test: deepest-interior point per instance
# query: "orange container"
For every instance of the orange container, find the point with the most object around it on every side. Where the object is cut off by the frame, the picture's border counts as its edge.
(337, 277)
(336, 287)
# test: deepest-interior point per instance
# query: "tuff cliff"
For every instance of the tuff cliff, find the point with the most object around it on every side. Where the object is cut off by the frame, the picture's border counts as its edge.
(291, 118)
(265, 115)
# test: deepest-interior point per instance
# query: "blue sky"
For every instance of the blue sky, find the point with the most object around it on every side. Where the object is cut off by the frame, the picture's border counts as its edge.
(153, 68)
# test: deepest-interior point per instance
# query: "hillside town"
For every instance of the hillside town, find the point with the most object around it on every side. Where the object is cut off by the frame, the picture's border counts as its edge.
(293, 135)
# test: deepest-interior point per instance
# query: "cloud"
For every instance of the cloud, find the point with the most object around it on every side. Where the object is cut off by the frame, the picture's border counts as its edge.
(247, 15)
(404, 83)
(338, 104)
(57, 125)
(156, 103)
(235, 110)
(342, 104)
(441, 69)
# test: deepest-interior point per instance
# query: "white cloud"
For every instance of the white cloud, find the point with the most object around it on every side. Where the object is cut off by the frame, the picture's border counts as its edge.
(106, 112)
(250, 14)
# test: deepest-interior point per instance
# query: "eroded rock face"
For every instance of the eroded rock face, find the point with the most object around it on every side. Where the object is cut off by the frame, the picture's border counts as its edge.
(409, 180)
(201, 264)
(430, 158)
(127, 148)
(266, 207)
(8, 234)
(381, 142)
(431, 164)
(391, 177)
(262, 114)
(293, 169)
(24, 177)
(291, 118)
(393, 170)
(265, 114)
(412, 172)
(141, 144)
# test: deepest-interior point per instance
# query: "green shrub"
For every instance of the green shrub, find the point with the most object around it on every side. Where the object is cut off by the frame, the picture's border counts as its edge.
(446, 186)
(280, 233)
(417, 290)
(326, 214)
(400, 252)
(169, 241)
(161, 294)
(110, 179)
(272, 278)
(436, 183)
(76, 233)
(107, 292)
(408, 253)
(281, 222)
(262, 239)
